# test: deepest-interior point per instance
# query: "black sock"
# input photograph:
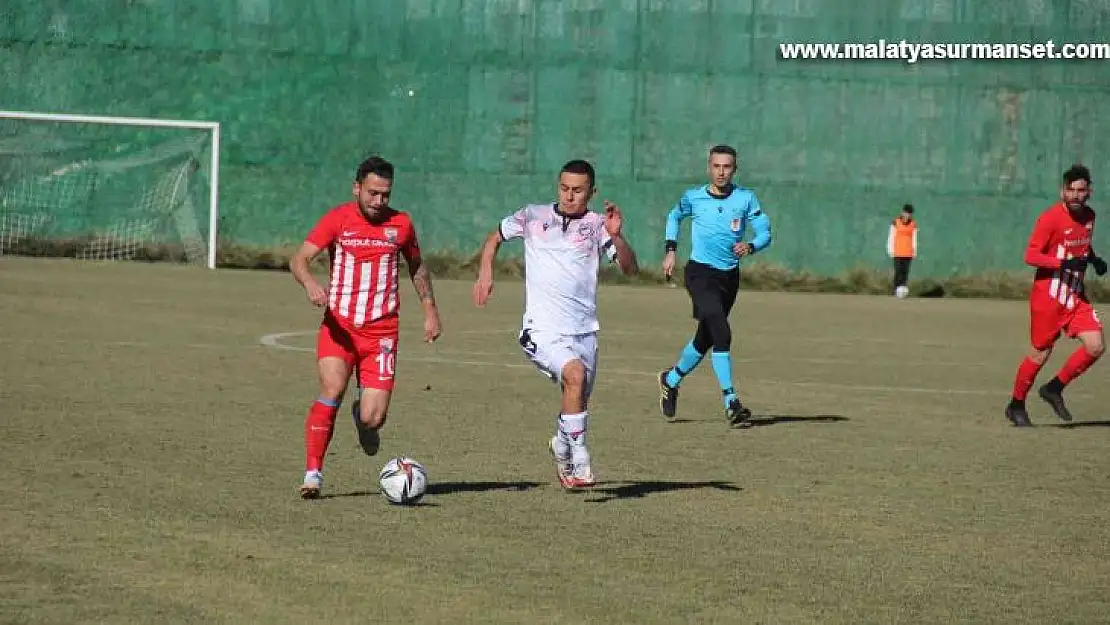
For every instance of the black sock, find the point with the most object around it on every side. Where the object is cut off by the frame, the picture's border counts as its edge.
(1054, 386)
(1017, 403)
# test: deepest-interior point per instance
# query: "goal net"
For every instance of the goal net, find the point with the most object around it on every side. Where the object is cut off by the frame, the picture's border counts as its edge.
(107, 189)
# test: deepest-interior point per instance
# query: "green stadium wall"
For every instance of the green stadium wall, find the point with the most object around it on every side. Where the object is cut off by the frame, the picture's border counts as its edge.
(505, 91)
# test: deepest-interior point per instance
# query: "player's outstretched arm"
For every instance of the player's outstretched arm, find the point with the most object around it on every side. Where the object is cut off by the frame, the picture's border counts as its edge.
(298, 266)
(483, 286)
(626, 257)
(1036, 252)
(508, 229)
(422, 283)
(623, 254)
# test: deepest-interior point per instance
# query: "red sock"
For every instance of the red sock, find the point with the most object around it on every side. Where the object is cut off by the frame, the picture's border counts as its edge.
(1076, 365)
(1026, 374)
(318, 428)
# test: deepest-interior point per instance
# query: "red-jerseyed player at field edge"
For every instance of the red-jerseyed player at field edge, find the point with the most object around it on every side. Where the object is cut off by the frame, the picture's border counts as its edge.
(359, 333)
(1060, 249)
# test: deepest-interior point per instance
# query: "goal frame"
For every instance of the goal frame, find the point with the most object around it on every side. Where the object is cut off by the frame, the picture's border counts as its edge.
(213, 128)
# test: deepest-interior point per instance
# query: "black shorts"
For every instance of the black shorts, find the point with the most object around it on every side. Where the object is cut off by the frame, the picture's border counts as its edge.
(712, 291)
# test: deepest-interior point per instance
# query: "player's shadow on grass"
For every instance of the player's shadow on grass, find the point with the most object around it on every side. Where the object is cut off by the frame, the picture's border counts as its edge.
(423, 503)
(608, 491)
(450, 488)
(775, 419)
(1083, 424)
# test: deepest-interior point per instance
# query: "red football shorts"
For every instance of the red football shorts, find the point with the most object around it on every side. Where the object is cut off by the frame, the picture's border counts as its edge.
(1048, 319)
(372, 353)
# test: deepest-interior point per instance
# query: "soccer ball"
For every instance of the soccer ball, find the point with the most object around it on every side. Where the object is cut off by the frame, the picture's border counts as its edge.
(901, 292)
(403, 480)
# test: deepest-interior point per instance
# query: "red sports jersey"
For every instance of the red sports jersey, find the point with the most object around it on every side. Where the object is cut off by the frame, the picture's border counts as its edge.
(364, 260)
(1058, 235)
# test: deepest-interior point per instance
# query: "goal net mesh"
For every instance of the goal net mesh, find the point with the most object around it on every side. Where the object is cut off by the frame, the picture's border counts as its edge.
(103, 192)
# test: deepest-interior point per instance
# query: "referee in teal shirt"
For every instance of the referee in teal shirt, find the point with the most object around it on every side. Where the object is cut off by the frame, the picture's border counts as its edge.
(721, 214)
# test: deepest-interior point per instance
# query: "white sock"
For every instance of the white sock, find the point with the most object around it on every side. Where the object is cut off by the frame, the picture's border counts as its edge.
(572, 429)
(561, 446)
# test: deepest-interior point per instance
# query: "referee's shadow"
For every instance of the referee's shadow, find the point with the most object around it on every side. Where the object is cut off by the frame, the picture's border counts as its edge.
(775, 419)
(763, 420)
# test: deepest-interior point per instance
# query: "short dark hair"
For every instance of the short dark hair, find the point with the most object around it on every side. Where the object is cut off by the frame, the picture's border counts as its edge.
(1075, 173)
(907, 208)
(374, 165)
(723, 149)
(579, 166)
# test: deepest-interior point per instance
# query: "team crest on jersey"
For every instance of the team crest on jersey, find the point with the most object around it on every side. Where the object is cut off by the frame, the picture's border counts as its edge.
(735, 224)
(585, 230)
(385, 345)
(391, 235)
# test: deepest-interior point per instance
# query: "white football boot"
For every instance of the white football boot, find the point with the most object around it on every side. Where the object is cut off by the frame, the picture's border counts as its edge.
(580, 474)
(313, 482)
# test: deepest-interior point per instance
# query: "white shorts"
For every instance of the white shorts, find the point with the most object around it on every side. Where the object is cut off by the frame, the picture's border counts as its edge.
(550, 352)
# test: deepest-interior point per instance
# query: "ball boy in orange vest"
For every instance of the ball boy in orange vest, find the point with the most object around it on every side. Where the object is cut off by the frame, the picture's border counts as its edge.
(901, 245)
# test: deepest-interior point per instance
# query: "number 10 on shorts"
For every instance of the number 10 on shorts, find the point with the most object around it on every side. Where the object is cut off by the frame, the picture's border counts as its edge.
(386, 359)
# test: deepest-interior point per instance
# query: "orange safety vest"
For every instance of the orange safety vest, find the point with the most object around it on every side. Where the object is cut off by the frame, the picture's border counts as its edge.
(904, 238)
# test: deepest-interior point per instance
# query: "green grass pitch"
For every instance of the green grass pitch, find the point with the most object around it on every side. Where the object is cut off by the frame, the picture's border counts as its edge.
(152, 449)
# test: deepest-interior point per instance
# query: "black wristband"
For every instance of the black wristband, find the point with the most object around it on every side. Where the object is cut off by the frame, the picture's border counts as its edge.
(671, 246)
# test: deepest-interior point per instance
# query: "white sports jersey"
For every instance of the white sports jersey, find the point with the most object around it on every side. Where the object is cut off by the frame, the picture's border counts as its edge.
(561, 257)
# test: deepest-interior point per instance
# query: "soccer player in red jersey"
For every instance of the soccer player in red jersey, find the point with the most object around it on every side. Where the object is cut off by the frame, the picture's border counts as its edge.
(1060, 250)
(359, 332)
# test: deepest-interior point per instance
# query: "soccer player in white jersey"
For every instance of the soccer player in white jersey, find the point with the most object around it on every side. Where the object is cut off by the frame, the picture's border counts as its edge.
(563, 244)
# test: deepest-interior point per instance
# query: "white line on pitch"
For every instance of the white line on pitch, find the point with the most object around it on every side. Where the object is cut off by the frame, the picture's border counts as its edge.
(684, 334)
(275, 341)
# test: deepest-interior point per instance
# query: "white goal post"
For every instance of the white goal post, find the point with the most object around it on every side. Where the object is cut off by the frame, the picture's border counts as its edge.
(212, 128)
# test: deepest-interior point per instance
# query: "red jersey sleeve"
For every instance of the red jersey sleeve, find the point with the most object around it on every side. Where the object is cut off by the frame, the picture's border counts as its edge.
(410, 246)
(1036, 252)
(325, 231)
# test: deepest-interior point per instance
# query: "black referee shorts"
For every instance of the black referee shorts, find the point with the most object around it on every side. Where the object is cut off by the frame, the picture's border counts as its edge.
(712, 291)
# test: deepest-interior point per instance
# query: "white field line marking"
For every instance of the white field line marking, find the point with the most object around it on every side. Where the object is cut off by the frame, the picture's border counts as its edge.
(686, 335)
(140, 344)
(275, 341)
